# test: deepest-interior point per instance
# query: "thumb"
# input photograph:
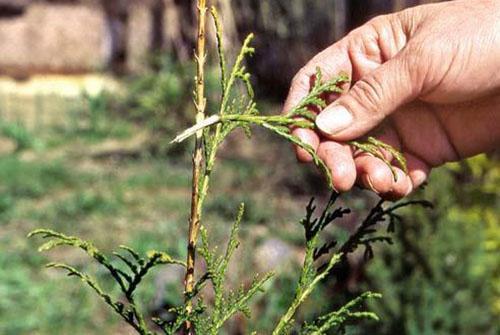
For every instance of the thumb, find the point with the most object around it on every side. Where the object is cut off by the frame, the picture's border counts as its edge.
(370, 100)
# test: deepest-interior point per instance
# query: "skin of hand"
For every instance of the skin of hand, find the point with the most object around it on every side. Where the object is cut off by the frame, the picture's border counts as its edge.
(425, 80)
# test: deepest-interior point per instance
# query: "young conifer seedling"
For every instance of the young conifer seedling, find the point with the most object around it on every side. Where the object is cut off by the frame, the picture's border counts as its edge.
(237, 110)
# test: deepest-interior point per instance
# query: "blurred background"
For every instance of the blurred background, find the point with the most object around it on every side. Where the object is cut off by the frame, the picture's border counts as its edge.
(91, 92)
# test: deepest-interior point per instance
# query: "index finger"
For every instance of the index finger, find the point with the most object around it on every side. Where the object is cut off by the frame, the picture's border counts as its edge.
(331, 62)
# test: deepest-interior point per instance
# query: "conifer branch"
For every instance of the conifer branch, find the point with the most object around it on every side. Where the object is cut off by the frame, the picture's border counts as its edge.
(338, 318)
(226, 304)
(310, 276)
(220, 49)
(128, 281)
(298, 117)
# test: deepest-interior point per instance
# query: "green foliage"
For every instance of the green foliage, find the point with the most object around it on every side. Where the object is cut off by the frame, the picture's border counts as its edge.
(239, 111)
(94, 120)
(340, 317)
(128, 279)
(440, 277)
(210, 319)
(366, 235)
(225, 305)
(136, 268)
(18, 133)
(243, 112)
(31, 180)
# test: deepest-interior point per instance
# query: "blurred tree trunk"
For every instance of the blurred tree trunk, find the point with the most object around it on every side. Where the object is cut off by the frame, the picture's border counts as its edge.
(117, 20)
(179, 26)
(184, 40)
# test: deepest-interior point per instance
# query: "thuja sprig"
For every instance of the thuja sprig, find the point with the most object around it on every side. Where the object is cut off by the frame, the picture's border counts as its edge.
(298, 117)
(311, 275)
(225, 304)
(137, 268)
(338, 319)
(208, 141)
(366, 233)
(234, 113)
(243, 112)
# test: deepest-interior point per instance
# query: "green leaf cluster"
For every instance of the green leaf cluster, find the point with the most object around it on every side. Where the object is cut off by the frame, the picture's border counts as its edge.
(128, 279)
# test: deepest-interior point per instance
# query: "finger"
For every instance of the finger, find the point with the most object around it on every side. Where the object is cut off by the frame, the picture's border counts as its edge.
(360, 52)
(418, 170)
(338, 158)
(388, 136)
(373, 174)
(331, 61)
(308, 136)
(438, 134)
(374, 97)
(401, 187)
(472, 127)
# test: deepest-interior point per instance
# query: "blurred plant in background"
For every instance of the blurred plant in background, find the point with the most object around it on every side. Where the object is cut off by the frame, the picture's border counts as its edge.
(158, 101)
(442, 277)
(22, 137)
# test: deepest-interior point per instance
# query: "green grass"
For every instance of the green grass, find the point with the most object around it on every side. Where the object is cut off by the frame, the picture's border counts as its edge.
(37, 302)
(25, 179)
(18, 133)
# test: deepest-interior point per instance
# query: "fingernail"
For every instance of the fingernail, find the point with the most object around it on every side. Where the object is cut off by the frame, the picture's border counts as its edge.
(334, 119)
(409, 189)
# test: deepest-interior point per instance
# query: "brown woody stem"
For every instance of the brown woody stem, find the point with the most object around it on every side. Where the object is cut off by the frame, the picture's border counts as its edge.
(200, 104)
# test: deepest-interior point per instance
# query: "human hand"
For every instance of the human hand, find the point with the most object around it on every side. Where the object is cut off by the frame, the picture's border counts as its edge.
(425, 80)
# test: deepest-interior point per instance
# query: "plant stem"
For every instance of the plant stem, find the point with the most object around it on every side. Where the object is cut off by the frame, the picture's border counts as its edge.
(280, 120)
(200, 104)
(304, 293)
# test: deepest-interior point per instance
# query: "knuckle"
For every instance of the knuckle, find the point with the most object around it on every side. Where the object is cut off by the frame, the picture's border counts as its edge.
(423, 65)
(416, 52)
(368, 93)
(409, 19)
(371, 27)
(380, 21)
(301, 80)
(383, 23)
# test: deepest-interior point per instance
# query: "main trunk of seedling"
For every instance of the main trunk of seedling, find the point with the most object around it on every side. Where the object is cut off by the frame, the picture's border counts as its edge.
(200, 104)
